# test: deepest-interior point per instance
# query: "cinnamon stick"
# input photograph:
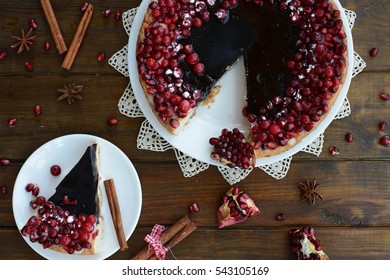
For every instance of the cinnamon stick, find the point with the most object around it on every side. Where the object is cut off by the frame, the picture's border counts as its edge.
(53, 26)
(78, 38)
(115, 213)
(187, 230)
(166, 236)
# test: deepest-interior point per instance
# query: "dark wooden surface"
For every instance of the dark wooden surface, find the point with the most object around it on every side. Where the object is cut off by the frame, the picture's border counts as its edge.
(353, 220)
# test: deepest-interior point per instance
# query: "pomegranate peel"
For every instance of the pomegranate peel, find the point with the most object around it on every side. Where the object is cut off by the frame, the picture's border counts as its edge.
(237, 207)
(305, 244)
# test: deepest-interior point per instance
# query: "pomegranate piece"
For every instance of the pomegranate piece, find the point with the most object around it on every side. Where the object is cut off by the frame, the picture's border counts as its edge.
(55, 170)
(348, 137)
(32, 23)
(3, 190)
(384, 96)
(237, 207)
(47, 46)
(382, 126)
(280, 217)
(101, 56)
(118, 15)
(84, 6)
(37, 110)
(11, 122)
(107, 13)
(29, 66)
(306, 245)
(334, 151)
(232, 149)
(4, 161)
(374, 52)
(385, 140)
(112, 121)
(3, 54)
(193, 208)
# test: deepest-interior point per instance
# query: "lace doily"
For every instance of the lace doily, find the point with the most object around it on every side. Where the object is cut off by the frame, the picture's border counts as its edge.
(149, 139)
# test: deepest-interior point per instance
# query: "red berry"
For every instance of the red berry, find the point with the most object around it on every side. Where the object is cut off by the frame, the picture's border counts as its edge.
(84, 6)
(3, 54)
(11, 122)
(382, 126)
(198, 68)
(348, 137)
(3, 190)
(37, 110)
(47, 46)
(118, 15)
(101, 56)
(384, 96)
(4, 161)
(107, 13)
(55, 170)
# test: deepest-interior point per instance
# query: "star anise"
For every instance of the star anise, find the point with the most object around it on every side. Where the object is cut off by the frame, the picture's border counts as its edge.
(72, 92)
(25, 41)
(310, 191)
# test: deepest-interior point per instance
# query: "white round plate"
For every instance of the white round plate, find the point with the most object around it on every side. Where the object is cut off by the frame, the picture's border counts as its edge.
(226, 110)
(66, 151)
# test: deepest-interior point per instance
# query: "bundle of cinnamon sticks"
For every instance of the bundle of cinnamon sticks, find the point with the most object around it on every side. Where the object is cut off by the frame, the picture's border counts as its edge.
(57, 35)
(170, 237)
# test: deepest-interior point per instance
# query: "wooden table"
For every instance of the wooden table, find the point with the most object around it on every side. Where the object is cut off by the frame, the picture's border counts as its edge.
(352, 221)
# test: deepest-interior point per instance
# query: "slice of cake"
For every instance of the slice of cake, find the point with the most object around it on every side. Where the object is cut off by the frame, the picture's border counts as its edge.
(70, 220)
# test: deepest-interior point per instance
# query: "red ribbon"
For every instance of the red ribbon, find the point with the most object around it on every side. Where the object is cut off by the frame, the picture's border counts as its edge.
(154, 240)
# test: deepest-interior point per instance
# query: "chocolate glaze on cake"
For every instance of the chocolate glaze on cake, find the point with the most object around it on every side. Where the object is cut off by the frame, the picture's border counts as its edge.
(80, 184)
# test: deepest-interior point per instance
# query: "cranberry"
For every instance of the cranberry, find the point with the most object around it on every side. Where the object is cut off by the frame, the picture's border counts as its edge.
(3, 190)
(47, 46)
(37, 110)
(112, 121)
(3, 54)
(374, 52)
(55, 170)
(11, 122)
(32, 24)
(29, 66)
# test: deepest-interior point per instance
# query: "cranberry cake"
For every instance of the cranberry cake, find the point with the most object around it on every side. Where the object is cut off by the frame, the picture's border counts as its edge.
(70, 220)
(294, 52)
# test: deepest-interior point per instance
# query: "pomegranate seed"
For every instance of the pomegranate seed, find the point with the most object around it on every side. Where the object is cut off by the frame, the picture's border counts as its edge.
(280, 217)
(374, 52)
(32, 24)
(198, 68)
(11, 122)
(29, 66)
(193, 208)
(37, 110)
(4, 161)
(348, 137)
(47, 46)
(334, 150)
(35, 191)
(222, 15)
(107, 13)
(382, 126)
(3, 54)
(29, 187)
(118, 15)
(88, 227)
(385, 140)
(84, 6)
(55, 170)
(192, 58)
(101, 56)
(112, 121)
(384, 96)
(3, 190)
